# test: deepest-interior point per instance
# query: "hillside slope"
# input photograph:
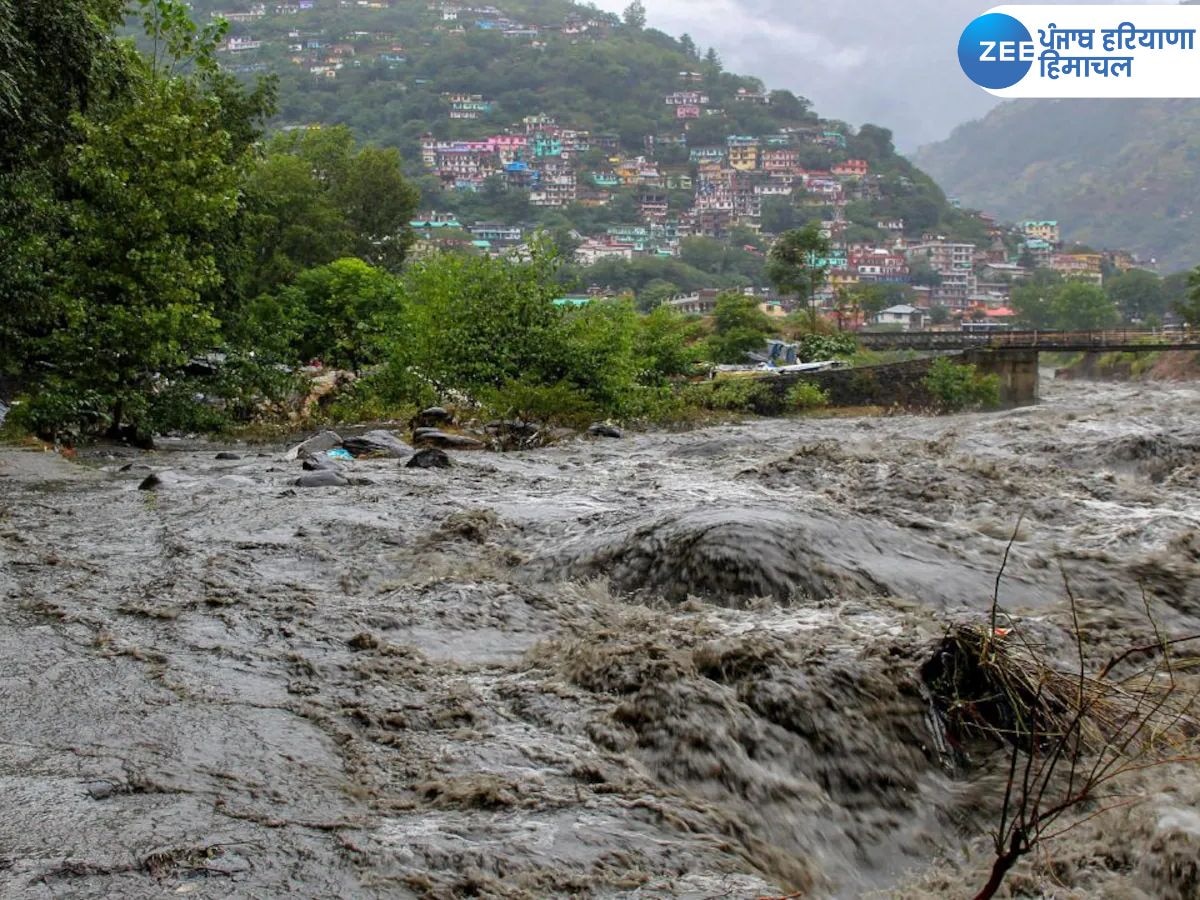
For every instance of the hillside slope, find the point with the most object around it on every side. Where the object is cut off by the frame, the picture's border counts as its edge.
(388, 69)
(1115, 173)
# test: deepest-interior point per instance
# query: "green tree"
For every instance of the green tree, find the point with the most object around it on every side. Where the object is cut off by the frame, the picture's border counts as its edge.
(920, 272)
(1188, 307)
(798, 264)
(1138, 294)
(1082, 307)
(470, 322)
(740, 326)
(778, 215)
(955, 387)
(57, 60)
(635, 15)
(874, 298)
(152, 189)
(339, 311)
(704, 253)
(316, 197)
(657, 292)
(665, 345)
(1049, 302)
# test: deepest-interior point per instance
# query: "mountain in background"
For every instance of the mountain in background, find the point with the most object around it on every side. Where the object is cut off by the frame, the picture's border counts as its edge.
(395, 70)
(1114, 173)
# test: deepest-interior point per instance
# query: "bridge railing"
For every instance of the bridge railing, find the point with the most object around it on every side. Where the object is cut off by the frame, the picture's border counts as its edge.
(1106, 339)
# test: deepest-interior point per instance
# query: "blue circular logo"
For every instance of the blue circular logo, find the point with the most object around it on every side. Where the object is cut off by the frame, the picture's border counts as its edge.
(996, 51)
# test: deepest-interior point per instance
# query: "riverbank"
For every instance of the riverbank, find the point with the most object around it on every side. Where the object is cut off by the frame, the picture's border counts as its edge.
(1171, 365)
(680, 664)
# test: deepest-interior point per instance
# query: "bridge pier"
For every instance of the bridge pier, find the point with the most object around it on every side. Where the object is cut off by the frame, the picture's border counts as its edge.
(1017, 370)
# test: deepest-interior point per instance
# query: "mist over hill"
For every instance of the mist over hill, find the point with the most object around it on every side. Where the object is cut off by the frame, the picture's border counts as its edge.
(1115, 173)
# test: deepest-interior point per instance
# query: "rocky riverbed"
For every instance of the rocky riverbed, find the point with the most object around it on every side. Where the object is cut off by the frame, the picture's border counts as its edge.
(659, 665)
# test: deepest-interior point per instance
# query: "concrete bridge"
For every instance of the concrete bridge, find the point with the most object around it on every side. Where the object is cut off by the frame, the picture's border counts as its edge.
(1013, 355)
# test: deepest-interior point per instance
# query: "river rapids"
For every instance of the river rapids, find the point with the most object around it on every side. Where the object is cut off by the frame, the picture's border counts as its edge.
(673, 664)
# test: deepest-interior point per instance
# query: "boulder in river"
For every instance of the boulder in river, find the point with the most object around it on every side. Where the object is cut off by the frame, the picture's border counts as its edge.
(603, 429)
(429, 458)
(322, 478)
(377, 443)
(227, 455)
(432, 417)
(320, 461)
(318, 443)
(432, 437)
(164, 479)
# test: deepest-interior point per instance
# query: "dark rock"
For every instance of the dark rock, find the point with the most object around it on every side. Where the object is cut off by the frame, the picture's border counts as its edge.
(132, 435)
(445, 440)
(322, 478)
(430, 458)
(320, 462)
(377, 443)
(433, 416)
(163, 479)
(228, 454)
(601, 429)
(318, 443)
(136, 467)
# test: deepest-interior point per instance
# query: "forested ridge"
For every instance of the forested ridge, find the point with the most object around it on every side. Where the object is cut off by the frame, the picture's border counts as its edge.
(1115, 173)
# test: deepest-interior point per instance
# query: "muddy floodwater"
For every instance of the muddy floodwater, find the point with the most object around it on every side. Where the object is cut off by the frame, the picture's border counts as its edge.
(661, 665)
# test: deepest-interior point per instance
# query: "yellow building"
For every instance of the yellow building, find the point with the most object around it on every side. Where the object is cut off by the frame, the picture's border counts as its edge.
(1046, 231)
(1080, 266)
(744, 158)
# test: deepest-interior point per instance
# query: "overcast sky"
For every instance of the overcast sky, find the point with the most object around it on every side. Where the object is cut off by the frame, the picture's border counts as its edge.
(891, 62)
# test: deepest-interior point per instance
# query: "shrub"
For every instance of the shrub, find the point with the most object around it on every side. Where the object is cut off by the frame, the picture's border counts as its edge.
(525, 401)
(528, 402)
(731, 395)
(806, 395)
(955, 387)
(817, 347)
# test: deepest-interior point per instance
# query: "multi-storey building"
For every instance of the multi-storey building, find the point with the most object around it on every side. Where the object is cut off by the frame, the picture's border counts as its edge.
(556, 187)
(1079, 266)
(1047, 231)
(743, 152)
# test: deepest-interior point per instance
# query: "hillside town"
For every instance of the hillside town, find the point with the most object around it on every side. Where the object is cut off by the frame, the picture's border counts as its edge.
(685, 181)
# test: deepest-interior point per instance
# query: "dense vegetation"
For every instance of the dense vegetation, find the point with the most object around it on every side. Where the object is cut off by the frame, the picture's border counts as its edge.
(1137, 297)
(1115, 173)
(146, 231)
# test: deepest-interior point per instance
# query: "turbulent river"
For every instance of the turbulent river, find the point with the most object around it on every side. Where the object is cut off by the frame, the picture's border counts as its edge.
(663, 665)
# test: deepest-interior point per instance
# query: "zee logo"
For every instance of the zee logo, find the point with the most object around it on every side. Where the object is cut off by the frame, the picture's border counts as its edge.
(1006, 51)
(996, 51)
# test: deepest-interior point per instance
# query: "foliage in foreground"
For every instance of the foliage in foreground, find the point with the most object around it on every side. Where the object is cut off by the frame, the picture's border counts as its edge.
(1071, 734)
(142, 223)
(806, 396)
(955, 387)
